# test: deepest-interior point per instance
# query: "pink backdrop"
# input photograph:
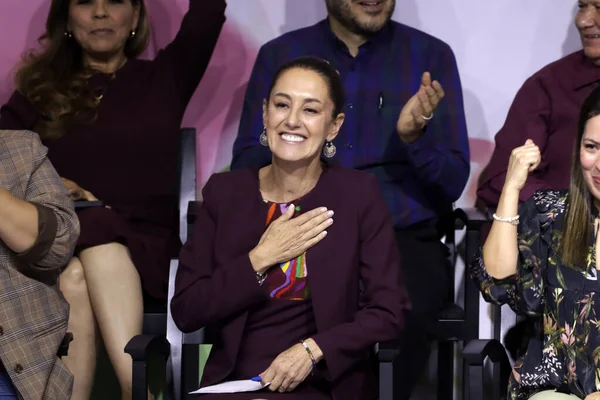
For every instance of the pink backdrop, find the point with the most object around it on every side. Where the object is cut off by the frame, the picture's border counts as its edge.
(216, 104)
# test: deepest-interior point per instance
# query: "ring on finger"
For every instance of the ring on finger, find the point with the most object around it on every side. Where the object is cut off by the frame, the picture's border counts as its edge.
(427, 118)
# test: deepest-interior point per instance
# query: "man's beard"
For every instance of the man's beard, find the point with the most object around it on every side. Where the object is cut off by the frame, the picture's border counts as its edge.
(341, 11)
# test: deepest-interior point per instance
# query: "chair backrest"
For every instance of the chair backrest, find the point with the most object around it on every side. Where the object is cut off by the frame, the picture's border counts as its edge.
(187, 195)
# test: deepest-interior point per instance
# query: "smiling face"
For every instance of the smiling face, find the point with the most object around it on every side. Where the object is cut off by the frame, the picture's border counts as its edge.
(589, 156)
(298, 116)
(102, 27)
(363, 17)
(587, 21)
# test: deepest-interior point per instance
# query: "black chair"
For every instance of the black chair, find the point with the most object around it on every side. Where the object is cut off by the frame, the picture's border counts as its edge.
(479, 385)
(185, 352)
(63, 349)
(452, 326)
(458, 323)
(156, 311)
(146, 349)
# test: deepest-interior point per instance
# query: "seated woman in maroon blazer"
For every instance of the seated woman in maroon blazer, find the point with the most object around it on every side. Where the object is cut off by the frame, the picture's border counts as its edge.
(111, 124)
(273, 277)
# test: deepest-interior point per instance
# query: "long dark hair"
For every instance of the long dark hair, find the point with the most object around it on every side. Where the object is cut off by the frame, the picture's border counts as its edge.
(577, 228)
(54, 80)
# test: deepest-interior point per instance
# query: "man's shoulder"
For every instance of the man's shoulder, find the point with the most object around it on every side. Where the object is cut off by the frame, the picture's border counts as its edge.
(404, 33)
(295, 37)
(566, 63)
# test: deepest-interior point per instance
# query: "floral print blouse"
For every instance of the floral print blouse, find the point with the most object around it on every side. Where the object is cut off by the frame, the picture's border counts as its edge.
(565, 351)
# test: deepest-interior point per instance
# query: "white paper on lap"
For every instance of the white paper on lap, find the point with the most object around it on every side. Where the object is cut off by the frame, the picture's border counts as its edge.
(245, 385)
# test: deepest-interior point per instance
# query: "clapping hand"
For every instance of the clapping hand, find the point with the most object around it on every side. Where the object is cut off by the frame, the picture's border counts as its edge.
(419, 109)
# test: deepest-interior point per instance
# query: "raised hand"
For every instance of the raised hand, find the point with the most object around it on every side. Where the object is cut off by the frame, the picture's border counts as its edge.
(523, 160)
(419, 109)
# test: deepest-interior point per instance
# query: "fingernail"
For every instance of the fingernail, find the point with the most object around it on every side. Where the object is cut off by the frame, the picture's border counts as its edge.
(323, 209)
(324, 233)
(330, 213)
(330, 221)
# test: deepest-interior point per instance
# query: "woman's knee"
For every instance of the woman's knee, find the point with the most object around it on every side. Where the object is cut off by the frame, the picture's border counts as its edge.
(72, 279)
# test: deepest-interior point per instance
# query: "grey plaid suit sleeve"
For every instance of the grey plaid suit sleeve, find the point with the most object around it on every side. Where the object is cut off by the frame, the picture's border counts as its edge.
(58, 224)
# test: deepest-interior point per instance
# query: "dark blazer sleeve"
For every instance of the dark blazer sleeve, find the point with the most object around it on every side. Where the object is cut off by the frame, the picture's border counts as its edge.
(185, 60)
(205, 291)
(384, 300)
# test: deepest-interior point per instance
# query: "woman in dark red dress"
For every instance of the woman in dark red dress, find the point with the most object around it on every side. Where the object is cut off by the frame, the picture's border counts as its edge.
(274, 274)
(111, 124)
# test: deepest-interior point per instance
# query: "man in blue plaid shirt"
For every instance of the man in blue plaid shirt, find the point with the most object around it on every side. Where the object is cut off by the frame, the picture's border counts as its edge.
(401, 125)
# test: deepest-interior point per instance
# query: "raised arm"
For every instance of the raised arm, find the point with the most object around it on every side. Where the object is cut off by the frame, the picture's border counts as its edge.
(439, 153)
(247, 150)
(41, 228)
(384, 300)
(500, 252)
(509, 269)
(186, 58)
(527, 118)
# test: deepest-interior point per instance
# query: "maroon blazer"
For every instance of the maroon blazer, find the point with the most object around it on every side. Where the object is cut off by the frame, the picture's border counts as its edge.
(216, 284)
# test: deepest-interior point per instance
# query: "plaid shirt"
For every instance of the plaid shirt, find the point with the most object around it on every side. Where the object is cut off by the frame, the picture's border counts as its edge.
(33, 312)
(419, 181)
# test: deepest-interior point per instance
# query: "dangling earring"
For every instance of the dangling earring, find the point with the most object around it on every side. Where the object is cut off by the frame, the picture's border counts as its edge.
(68, 34)
(263, 137)
(329, 150)
(131, 34)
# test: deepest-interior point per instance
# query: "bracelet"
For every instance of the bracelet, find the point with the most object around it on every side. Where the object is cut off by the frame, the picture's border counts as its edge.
(310, 354)
(510, 220)
(261, 277)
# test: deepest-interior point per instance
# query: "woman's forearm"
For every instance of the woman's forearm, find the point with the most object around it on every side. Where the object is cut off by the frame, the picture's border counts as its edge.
(500, 251)
(18, 222)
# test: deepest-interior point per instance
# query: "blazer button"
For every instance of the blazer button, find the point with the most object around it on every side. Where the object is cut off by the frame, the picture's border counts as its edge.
(18, 368)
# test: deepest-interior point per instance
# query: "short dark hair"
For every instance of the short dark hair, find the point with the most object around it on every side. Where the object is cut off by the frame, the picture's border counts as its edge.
(325, 70)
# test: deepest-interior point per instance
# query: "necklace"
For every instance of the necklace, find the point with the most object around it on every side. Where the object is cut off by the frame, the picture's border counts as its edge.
(99, 98)
(111, 77)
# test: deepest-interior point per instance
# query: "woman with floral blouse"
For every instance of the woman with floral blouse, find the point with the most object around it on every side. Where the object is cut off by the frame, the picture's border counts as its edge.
(540, 258)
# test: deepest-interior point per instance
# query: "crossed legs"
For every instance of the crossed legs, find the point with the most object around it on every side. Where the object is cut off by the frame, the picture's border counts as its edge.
(102, 285)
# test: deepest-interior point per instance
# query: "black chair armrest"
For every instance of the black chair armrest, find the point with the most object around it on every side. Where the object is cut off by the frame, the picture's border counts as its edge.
(142, 349)
(192, 211)
(388, 351)
(472, 218)
(63, 349)
(475, 353)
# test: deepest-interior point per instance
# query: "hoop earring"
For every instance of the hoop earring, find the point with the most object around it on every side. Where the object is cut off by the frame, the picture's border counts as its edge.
(264, 140)
(329, 150)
